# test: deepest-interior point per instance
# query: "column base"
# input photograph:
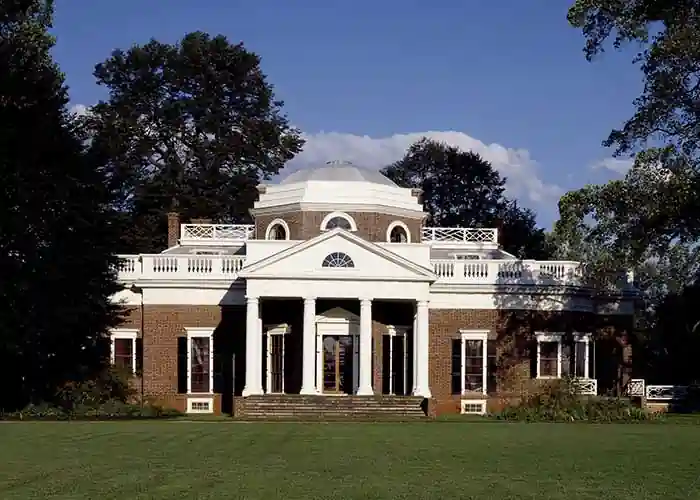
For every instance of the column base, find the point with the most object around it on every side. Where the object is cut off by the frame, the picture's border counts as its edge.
(423, 393)
(252, 392)
(364, 391)
(309, 391)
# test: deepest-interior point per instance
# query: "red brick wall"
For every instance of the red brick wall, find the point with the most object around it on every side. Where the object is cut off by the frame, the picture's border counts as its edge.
(513, 332)
(306, 225)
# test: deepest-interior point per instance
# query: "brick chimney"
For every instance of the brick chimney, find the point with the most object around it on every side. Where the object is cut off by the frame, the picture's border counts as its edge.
(173, 229)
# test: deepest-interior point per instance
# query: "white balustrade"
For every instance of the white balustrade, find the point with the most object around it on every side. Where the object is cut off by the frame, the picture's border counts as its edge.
(168, 266)
(459, 235)
(507, 272)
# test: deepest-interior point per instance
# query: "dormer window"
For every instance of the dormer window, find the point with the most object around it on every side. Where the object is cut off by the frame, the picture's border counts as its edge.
(466, 256)
(340, 222)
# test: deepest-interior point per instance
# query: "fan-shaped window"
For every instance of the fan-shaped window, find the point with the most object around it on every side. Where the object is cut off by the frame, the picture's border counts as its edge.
(340, 222)
(338, 219)
(338, 259)
(277, 230)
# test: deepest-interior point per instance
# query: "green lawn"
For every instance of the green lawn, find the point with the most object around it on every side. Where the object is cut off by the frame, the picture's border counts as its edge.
(441, 460)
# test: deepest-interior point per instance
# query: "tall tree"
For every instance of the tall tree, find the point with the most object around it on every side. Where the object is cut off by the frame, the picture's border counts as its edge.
(190, 127)
(461, 189)
(56, 234)
(663, 132)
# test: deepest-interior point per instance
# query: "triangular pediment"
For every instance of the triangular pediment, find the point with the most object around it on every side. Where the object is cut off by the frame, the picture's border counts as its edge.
(367, 261)
(338, 314)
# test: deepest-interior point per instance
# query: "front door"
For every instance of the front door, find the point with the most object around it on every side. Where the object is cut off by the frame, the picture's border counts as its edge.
(337, 364)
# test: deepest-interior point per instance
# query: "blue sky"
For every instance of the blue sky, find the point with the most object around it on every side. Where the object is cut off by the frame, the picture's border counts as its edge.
(364, 79)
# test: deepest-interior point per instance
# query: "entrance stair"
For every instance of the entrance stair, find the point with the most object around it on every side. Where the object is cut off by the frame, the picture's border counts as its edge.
(330, 408)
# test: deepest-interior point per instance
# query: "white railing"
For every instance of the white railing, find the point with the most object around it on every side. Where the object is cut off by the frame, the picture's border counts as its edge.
(586, 386)
(163, 266)
(215, 233)
(459, 235)
(636, 388)
(507, 272)
(665, 392)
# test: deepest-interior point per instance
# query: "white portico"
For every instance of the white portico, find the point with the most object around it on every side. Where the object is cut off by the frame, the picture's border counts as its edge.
(337, 265)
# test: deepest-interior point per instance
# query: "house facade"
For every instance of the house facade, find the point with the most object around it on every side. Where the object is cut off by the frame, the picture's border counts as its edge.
(339, 289)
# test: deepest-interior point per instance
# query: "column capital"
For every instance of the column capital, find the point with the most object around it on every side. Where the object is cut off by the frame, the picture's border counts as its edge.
(251, 299)
(422, 303)
(309, 300)
(365, 300)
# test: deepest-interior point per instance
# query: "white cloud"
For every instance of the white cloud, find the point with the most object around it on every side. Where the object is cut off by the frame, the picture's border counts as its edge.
(617, 165)
(522, 173)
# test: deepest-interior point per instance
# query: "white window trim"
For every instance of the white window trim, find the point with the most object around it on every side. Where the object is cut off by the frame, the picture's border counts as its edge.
(124, 333)
(557, 337)
(333, 215)
(191, 402)
(274, 330)
(483, 336)
(207, 333)
(277, 222)
(466, 402)
(398, 223)
(397, 331)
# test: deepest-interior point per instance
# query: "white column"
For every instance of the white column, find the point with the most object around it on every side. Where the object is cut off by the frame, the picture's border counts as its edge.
(365, 386)
(422, 387)
(414, 353)
(308, 349)
(253, 348)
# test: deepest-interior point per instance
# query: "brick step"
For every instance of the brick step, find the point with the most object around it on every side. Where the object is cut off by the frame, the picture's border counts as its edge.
(295, 407)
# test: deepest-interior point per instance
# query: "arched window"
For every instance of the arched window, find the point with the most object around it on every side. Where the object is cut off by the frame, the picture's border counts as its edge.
(338, 219)
(398, 232)
(338, 259)
(277, 230)
(278, 233)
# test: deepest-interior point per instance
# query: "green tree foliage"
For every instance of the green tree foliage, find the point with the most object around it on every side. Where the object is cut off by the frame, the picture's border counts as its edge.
(648, 221)
(191, 127)
(461, 189)
(56, 234)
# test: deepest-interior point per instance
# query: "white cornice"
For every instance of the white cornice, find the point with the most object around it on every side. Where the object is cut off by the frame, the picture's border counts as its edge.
(338, 207)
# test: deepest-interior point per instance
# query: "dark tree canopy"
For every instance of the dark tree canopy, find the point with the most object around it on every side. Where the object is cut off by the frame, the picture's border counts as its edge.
(56, 234)
(461, 189)
(191, 127)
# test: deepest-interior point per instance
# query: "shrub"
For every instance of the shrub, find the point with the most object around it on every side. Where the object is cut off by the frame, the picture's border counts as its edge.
(112, 384)
(561, 402)
(107, 410)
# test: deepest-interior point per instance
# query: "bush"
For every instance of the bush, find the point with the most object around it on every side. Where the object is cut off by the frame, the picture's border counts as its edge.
(561, 402)
(107, 410)
(112, 384)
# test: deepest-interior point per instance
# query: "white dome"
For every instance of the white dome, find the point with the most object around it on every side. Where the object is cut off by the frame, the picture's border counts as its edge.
(338, 171)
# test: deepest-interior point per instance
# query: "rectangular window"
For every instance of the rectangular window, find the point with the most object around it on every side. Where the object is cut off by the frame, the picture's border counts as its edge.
(549, 359)
(556, 360)
(200, 353)
(469, 362)
(126, 349)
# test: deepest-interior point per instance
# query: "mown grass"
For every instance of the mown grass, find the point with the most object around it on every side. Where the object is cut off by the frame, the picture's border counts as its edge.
(217, 460)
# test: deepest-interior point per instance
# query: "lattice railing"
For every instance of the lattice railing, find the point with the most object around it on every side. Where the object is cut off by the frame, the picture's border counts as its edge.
(459, 235)
(213, 232)
(586, 386)
(636, 388)
(666, 392)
